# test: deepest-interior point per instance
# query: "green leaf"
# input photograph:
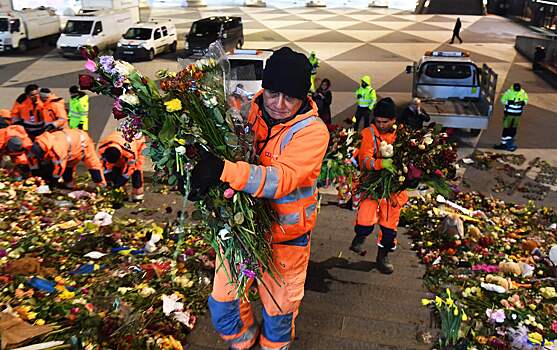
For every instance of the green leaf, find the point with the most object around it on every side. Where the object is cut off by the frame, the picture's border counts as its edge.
(166, 135)
(172, 180)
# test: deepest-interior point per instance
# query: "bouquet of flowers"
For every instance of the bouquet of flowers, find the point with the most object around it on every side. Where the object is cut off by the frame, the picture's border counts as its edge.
(337, 163)
(419, 156)
(189, 113)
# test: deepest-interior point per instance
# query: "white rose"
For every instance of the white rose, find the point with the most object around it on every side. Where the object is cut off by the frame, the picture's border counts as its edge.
(428, 140)
(130, 99)
(123, 68)
(181, 150)
(386, 150)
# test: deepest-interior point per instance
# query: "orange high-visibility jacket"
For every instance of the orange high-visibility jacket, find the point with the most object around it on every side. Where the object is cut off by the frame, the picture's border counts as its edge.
(28, 113)
(54, 112)
(15, 131)
(290, 157)
(131, 158)
(68, 147)
(369, 157)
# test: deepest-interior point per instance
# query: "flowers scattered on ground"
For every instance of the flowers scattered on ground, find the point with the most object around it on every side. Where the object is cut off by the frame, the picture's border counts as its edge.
(93, 281)
(499, 269)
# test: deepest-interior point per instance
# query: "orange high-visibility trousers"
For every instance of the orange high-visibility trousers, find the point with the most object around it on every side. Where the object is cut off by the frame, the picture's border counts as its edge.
(386, 213)
(233, 318)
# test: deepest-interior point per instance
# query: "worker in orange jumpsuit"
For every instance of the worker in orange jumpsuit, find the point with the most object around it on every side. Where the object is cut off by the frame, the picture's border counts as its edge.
(27, 111)
(385, 212)
(55, 155)
(5, 117)
(290, 141)
(15, 143)
(123, 160)
(53, 111)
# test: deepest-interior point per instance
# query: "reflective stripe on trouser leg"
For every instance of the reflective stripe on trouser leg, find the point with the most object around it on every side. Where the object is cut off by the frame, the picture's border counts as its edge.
(387, 238)
(231, 317)
(278, 328)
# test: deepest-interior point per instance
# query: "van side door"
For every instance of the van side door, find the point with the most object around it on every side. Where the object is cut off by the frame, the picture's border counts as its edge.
(158, 41)
(98, 32)
(166, 40)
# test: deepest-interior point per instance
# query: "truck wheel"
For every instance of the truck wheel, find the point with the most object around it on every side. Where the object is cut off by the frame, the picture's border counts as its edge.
(475, 132)
(151, 55)
(23, 45)
(52, 41)
(239, 44)
(172, 47)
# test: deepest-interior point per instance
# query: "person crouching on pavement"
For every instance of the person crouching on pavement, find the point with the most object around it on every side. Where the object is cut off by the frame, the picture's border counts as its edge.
(15, 143)
(123, 160)
(385, 212)
(56, 154)
(290, 141)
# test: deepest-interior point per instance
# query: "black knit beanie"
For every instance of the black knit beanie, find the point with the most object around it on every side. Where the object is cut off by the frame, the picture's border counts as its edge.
(385, 108)
(288, 72)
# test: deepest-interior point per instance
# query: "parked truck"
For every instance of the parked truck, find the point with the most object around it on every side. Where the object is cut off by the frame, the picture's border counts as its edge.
(29, 27)
(454, 91)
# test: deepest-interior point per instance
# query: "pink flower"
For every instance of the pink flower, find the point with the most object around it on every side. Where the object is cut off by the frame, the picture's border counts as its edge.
(74, 310)
(486, 268)
(117, 104)
(439, 173)
(90, 65)
(495, 316)
(229, 193)
(554, 326)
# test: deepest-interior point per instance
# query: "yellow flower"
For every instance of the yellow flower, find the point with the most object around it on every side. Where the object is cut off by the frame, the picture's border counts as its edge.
(535, 338)
(464, 316)
(455, 312)
(40, 322)
(426, 302)
(532, 306)
(66, 294)
(31, 316)
(174, 105)
(548, 292)
(180, 141)
(438, 301)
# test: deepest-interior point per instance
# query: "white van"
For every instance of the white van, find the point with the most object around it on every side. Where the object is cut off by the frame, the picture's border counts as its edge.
(100, 29)
(145, 40)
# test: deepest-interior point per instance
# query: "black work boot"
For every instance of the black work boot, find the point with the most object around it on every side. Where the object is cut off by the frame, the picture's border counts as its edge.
(501, 146)
(383, 264)
(357, 245)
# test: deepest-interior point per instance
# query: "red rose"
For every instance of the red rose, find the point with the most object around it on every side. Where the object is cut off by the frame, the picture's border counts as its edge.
(118, 114)
(439, 173)
(117, 91)
(85, 82)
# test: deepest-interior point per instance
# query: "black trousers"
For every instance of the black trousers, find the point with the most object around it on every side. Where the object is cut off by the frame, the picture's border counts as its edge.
(456, 35)
(362, 112)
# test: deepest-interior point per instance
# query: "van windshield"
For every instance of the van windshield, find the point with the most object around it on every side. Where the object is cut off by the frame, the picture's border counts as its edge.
(448, 70)
(205, 28)
(4, 25)
(78, 27)
(246, 69)
(138, 34)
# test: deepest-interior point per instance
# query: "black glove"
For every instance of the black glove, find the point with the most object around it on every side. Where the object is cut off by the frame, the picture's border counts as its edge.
(206, 174)
(49, 127)
(80, 126)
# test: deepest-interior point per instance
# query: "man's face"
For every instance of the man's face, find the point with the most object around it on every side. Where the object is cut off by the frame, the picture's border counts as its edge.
(384, 124)
(43, 97)
(33, 95)
(280, 106)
